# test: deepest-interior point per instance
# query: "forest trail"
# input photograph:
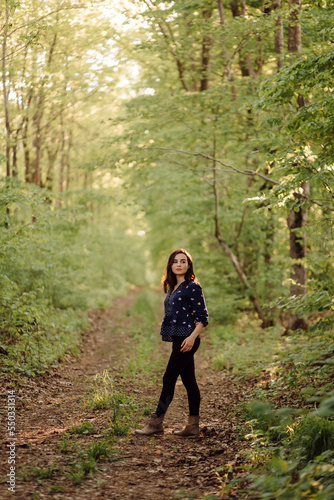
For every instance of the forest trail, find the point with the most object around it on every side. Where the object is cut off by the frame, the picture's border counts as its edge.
(162, 467)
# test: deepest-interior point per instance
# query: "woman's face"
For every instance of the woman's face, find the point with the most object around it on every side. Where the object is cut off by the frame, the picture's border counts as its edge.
(180, 265)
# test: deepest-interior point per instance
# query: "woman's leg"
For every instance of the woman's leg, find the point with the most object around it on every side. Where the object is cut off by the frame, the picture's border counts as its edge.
(178, 363)
(190, 383)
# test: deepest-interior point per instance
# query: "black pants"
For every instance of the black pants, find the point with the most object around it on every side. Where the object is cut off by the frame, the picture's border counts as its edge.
(180, 363)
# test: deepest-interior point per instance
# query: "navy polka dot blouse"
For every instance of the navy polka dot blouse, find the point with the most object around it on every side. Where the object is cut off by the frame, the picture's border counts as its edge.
(182, 308)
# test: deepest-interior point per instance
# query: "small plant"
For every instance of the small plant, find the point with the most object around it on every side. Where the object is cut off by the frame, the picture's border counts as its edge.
(110, 435)
(64, 444)
(85, 427)
(313, 436)
(88, 466)
(147, 411)
(76, 474)
(182, 494)
(56, 489)
(43, 472)
(99, 450)
(119, 428)
(102, 393)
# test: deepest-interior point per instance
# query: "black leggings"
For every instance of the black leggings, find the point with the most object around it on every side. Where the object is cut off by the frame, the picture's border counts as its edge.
(180, 363)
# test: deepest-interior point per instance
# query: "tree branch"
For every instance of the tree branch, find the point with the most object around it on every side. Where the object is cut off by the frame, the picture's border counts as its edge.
(208, 157)
(234, 169)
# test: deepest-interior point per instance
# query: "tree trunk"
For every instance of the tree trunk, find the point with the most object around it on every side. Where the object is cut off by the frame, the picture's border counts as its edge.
(5, 92)
(27, 173)
(68, 165)
(294, 28)
(36, 167)
(242, 276)
(14, 165)
(52, 155)
(296, 222)
(38, 116)
(170, 42)
(224, 245)
(279, 37)
(221, 12)
(62, 163)
(297, 218)
(206, 45)
(238, 8)
(224, 55)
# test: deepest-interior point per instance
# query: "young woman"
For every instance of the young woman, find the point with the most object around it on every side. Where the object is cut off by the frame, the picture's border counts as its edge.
(185, 317)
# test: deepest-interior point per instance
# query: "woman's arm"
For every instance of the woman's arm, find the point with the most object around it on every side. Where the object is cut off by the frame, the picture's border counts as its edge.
(200, 314)
(188, 342)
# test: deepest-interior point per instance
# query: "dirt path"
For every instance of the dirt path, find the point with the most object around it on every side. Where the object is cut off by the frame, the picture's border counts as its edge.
(146, 468)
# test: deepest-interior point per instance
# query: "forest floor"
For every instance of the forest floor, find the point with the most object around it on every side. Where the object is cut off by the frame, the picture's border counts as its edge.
(159, 467)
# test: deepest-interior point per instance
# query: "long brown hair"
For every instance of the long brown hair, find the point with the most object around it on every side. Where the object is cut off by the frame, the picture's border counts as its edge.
(169, 279)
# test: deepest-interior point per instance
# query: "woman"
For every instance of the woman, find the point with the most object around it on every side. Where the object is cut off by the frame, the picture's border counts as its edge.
(185, 317)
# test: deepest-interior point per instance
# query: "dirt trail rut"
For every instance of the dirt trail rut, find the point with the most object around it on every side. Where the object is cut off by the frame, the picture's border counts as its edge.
(146, 468)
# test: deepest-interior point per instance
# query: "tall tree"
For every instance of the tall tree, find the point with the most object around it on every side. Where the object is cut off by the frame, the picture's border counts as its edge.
(297, 218)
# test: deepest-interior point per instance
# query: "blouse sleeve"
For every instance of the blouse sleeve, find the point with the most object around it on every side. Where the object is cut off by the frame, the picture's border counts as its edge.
(200, 311)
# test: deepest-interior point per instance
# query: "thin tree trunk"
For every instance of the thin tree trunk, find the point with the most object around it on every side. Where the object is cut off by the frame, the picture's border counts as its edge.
(49, 174)
(193, 62)
(62, 163)
(297, 218)
(221, 13)
(36, 170)
(5, 92)
(68, 165)
(294, 28)
(38, 116)
(205, 59)
(170, 40)
(25, 130)
(27, 174)
(236, 265)
(238, 8)
(224, 245)
(14, 165)
(229, 73)
(279, 36)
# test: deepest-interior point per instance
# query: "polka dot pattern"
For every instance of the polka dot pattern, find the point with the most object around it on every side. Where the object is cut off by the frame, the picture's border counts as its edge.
(180, 315)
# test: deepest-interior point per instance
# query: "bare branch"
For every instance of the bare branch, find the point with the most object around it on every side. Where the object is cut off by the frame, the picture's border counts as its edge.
(233, 169)
(43, 17)
(208, 157)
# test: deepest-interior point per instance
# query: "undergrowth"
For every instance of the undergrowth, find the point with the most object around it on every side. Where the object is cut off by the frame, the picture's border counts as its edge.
(56, 264)
(289, 425)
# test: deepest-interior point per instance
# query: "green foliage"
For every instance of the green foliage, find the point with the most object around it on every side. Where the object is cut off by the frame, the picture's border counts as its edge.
(301, 457)
(104, 395)
(99, 451)
(182, 494)
(64, 445)
(326, 407)
(54, 265)
(76, 474)
(88, 459)
(101, 395)
(85, 427)
(56, 489)
(132, 137)
(88, 466)
(43, 472)
(312, 437)
(145, 360)
(244, 349)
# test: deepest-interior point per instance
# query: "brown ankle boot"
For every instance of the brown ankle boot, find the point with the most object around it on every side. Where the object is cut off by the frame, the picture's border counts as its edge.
(154, 426)
(191, 429)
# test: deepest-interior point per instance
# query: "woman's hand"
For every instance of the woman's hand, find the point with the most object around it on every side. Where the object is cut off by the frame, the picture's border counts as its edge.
(187, 344)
